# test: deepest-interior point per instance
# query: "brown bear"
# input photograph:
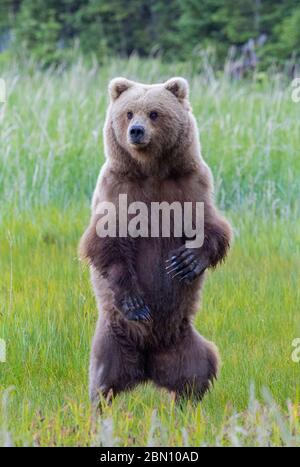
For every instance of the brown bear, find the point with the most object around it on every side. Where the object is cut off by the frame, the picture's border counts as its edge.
(148, 289)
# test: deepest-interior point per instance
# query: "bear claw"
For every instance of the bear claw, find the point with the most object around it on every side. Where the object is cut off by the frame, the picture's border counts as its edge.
(186, 265)
(135, 309)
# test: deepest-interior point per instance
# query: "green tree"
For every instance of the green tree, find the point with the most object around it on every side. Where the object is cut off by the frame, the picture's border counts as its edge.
(200, 23)
(289, 34)
(47, 29)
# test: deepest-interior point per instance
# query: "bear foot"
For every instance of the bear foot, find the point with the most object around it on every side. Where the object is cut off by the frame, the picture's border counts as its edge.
(186, 264)
(187, 369)
(135, 309)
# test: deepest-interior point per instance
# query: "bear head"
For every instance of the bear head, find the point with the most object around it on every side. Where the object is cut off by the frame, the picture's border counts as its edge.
(148, 123)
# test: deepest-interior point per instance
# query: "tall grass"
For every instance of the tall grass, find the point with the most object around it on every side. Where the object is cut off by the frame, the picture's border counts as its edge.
(52, 134)
(51, 152)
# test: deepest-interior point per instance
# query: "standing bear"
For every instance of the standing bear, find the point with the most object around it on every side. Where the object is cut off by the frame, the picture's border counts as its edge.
(148, 287)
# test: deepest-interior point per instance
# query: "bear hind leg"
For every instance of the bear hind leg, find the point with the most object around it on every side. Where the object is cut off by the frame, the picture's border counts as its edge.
(188, 370)
(113, 367)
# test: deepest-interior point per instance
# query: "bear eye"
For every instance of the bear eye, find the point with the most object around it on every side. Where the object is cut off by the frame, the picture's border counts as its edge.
(153, 115)
(129, 115)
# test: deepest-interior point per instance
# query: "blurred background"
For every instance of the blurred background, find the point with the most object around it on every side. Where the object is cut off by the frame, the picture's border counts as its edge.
(241, 35)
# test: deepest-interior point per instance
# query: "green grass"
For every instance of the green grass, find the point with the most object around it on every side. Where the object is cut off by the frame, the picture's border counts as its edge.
(51, 151)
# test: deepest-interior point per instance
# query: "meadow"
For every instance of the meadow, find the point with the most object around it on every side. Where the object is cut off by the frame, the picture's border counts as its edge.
(50, 154)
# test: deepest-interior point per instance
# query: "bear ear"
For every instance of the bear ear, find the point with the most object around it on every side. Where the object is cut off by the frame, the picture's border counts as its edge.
(117, 86)
(178, 86)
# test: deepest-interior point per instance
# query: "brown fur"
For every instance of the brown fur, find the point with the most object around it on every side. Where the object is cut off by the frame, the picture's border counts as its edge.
(169, 167)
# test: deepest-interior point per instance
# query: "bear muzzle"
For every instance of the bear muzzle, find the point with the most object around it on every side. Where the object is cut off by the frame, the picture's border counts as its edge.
(137, 135)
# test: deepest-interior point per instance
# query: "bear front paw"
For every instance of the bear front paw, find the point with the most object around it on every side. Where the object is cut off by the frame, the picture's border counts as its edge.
(135, 309)
(186, 264)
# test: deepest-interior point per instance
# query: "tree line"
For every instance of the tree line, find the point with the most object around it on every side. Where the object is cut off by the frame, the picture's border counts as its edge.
(174, 29)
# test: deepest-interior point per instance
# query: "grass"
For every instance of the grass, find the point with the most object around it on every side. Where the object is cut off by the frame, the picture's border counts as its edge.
(51, 151)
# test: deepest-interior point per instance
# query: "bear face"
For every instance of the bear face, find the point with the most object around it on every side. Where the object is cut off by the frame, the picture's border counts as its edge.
(148, 121)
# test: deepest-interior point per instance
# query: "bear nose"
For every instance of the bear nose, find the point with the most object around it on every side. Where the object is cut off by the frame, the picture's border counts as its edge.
(136, 133)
